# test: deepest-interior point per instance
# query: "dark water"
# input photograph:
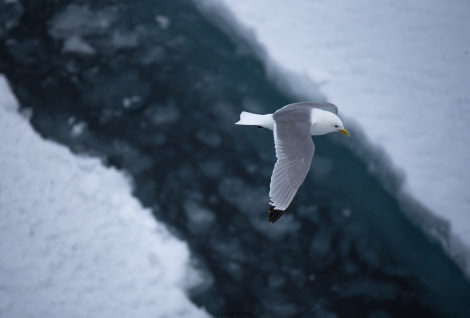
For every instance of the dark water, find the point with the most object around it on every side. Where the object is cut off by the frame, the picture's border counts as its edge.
(154, 89)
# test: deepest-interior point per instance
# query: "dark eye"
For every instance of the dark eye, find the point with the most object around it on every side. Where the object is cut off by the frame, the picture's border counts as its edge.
(336, 126)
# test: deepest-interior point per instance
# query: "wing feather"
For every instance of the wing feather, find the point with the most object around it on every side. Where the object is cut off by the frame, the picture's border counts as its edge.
(294, 151)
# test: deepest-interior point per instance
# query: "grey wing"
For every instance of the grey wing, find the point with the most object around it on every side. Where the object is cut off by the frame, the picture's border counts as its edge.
(294, 152)
(321, 105)
(328, 107)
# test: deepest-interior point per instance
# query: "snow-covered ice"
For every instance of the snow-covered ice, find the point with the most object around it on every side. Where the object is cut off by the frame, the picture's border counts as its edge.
(74, 242)
(398, 70)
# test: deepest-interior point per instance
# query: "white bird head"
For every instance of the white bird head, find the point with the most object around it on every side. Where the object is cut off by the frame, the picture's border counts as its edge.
(325, 122)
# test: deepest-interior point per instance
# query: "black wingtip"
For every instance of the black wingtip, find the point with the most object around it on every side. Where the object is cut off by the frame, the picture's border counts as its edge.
(274, 214)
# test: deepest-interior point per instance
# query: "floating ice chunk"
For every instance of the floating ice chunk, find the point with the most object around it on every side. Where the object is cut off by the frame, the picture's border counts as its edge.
(346, 212)
(163, 21)
(10, 14)
(131, 102)
(198, 278)
(81, 20)
(200, 219)
(235, 269)
(76, 44)
(78, 129)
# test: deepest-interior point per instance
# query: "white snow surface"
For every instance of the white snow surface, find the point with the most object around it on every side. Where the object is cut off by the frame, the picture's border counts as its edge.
(74, 242)
(398, 70)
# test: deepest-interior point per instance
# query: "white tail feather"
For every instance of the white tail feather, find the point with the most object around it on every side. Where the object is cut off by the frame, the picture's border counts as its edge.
(265, 121)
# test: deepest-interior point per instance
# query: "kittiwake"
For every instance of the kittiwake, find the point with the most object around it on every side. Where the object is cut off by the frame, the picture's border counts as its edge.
(292, 126)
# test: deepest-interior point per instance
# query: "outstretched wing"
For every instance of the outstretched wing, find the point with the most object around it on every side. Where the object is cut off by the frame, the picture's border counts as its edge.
(294, 152)
(309, 105)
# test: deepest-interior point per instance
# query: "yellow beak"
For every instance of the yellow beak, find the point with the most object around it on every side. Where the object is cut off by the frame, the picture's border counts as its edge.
(344, 131)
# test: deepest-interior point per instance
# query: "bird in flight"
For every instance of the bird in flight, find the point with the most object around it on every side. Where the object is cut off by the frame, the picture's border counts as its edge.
(292, 126)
